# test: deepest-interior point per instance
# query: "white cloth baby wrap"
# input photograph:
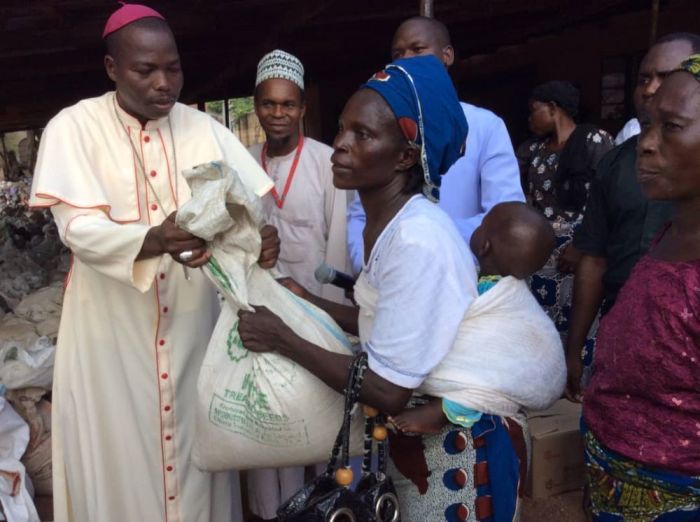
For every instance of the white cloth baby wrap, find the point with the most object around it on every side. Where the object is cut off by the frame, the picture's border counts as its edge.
(507, 356)
(255, 409)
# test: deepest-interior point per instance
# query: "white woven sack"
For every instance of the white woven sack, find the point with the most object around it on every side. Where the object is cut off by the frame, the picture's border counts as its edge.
(255, 409)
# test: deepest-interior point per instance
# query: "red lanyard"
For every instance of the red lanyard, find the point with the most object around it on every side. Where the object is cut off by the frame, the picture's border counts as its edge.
(280, 201)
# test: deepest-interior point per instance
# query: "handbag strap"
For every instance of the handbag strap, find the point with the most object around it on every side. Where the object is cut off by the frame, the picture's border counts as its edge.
(340, 455)
(370, 424)
(369, 442)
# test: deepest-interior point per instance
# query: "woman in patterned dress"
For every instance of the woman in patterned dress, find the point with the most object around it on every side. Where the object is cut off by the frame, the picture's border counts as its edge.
(557, 168)
(642, 406)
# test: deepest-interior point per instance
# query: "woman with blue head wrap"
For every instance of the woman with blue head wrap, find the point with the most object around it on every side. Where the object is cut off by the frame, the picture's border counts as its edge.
(397, 135)
(433, 113)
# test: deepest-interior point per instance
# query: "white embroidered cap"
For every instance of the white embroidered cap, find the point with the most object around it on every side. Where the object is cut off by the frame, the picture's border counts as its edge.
(280, 64)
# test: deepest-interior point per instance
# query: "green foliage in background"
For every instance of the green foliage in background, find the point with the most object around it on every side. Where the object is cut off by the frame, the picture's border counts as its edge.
(239, 107)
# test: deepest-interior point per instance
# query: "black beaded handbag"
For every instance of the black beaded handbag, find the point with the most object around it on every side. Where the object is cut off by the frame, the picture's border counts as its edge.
(328, 498)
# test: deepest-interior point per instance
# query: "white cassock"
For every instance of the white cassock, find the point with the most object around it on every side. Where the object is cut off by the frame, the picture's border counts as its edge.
(312, 230)
(133, 333)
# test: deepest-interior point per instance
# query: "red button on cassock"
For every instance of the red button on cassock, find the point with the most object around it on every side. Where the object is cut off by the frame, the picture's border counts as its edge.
(154, 207)
(167, 408)
(153, 173)
(165, 309)
(162, 275)
(171, 498)
(169, 468)
(161, 342)
(163, 375)
(146, 139)
(168, 437)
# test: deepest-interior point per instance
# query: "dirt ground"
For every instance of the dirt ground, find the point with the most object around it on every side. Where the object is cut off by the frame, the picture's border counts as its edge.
(566, 507)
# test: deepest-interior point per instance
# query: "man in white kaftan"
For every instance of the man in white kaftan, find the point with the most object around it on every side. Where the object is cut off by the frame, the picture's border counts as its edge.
(308, 212)
(134, 328)
(312, 222)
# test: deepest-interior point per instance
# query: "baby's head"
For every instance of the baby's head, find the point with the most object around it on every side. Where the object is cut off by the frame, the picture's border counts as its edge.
(513, 240)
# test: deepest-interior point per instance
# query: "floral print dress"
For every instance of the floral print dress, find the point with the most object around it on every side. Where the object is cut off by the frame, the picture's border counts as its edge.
(553, 289)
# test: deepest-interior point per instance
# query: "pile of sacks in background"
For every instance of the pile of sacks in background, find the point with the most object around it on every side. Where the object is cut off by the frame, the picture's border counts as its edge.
(27, 350)
(16, 503)
(31, 297)
(33, 266)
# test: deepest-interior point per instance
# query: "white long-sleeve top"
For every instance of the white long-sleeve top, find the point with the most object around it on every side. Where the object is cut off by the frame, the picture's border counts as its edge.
(133, 333)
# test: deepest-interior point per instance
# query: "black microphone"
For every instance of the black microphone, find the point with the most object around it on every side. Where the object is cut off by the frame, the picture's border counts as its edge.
(326, 274)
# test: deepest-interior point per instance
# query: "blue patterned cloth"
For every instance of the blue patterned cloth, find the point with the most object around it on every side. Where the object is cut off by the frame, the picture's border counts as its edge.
(503, 466)
(436, 476)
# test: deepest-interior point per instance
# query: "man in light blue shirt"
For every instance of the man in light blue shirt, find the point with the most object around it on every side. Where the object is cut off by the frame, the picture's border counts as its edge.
(487, 174)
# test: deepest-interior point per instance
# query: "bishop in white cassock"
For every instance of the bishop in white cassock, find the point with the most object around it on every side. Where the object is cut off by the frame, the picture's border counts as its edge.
(135, 322)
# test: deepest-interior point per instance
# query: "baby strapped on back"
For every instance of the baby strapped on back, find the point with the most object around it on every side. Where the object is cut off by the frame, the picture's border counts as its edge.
(508, 354)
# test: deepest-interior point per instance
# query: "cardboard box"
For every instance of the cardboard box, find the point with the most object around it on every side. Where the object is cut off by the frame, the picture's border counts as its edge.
(557, 463)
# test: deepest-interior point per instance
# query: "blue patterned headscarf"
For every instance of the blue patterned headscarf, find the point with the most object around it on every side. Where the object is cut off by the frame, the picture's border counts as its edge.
(421, 95)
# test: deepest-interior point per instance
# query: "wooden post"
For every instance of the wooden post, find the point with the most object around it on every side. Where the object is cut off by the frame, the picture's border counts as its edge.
(654, 22)
(227, 117)
(427, 8)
